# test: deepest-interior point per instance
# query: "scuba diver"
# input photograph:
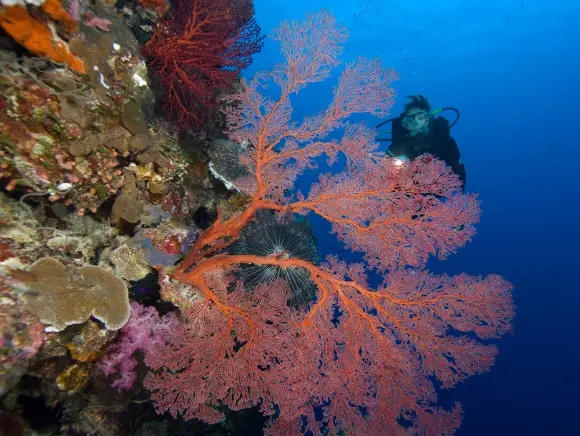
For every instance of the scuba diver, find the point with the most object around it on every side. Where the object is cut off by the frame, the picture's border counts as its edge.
(417, 131)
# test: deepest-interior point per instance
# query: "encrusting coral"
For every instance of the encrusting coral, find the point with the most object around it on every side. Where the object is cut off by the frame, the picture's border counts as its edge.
(62, 296)
(129, 261)
(21, 336)
(78, 138)
(39, 143)
(129, 204)
(81, 241)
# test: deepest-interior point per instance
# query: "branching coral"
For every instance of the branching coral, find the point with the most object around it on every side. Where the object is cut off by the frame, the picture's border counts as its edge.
(362, 355)
(199, 47)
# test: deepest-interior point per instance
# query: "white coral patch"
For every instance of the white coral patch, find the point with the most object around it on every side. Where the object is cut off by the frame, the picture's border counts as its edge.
(229, 185)
(64, 186)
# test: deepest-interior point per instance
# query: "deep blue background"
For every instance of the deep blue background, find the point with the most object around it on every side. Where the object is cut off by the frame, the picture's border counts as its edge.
(513, 69)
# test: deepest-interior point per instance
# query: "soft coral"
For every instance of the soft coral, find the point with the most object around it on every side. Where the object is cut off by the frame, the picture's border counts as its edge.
(199, 48)
(145, 331)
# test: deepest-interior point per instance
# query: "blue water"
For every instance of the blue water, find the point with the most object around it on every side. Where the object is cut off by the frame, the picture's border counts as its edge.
(513, 70)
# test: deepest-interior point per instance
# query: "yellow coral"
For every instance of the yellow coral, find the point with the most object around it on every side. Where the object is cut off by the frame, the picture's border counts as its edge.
(130, 263)
(38, 37)
(146, 172)
(73, 379)
(86, 345)
(84, 356)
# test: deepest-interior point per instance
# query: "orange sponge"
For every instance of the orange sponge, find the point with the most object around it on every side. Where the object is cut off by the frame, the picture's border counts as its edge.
(38, 37)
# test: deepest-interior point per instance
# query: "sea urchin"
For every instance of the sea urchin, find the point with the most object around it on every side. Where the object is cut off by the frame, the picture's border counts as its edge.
(267, 237)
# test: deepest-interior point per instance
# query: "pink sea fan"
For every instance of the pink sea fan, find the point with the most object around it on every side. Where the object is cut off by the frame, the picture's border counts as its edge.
(145, 331)
(357, 360)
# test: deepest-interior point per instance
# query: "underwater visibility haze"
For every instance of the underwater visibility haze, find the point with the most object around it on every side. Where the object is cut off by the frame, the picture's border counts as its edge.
(237, 217)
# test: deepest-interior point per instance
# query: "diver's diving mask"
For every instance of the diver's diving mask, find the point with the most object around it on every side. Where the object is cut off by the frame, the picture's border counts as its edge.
(417, 123)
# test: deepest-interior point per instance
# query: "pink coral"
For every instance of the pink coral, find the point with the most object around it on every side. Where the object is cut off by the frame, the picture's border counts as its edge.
(99, 23)
(410, 222)
(145, 331)
(214, 367)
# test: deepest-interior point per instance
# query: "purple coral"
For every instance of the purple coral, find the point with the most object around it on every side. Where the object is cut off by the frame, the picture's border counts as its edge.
(74, 10)
(189, 240)
(99, 23)
(145, 331)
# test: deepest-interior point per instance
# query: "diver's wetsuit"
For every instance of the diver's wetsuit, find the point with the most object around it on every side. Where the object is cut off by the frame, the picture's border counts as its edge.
(438, 142)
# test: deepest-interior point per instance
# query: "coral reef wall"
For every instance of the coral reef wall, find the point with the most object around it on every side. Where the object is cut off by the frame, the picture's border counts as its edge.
(104, 186)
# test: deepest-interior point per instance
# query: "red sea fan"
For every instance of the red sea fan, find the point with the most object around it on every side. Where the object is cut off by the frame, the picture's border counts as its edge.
(199, 48)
